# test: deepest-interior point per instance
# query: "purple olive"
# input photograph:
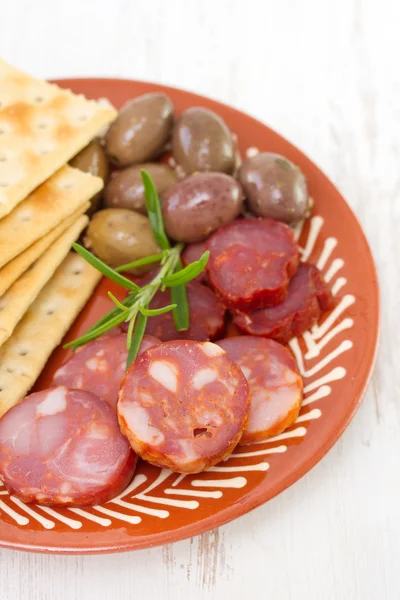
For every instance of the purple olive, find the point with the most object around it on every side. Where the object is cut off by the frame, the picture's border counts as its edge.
(196, 206)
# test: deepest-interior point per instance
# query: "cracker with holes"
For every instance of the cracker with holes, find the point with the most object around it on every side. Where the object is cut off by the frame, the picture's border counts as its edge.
(41, 127)
(20, 296)
(52, 202)
(24, 355)
(16, 267)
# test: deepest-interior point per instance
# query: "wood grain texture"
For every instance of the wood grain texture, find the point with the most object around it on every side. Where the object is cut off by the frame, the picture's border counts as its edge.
(325, 74)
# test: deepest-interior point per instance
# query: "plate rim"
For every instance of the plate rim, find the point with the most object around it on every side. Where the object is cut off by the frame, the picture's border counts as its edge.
(258, 495)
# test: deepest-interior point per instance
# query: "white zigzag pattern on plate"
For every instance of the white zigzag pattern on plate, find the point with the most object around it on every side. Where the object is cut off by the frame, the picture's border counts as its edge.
(137, 502)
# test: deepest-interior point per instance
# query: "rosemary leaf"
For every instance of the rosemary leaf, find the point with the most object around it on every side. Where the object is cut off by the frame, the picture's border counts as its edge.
(148, 260)
(105, 269)
(154, 312)
(190, 272)
(154, 211)
(140, 328)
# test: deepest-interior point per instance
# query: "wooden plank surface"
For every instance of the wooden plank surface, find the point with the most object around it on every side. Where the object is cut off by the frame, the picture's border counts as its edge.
(325, 74)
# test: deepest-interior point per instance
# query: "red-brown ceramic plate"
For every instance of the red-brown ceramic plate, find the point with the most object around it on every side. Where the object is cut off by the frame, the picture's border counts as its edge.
(336, 359)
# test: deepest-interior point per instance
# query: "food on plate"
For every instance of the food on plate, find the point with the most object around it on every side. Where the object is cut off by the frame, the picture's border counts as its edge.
(135, 308)
(207, 315)
(63, 447)
(52, 202)
(18, 265)
(147, 369)
(93, 160)
(42, 328)
(17, 300)
(99, 366)
(275, 187)
(42, 127)
(201, 141)
(119, 236)
(194, 252)
(251, 263)
(196, 206)
(183, 405)
(276, 387)
(141, 130)
(126, 190)
(307, 298)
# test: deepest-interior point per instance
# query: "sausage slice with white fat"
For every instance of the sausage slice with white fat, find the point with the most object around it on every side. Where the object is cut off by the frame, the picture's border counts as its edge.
(276, 386)
(99, 366)
(63, 447)
(184, 405)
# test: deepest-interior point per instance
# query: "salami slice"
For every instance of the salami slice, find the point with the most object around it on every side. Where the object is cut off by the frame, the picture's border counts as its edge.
(63, 447)
(99, 366)
(276, 387)
(251, 263)
(308, 296)
(206, 313)
(184, 405)
(193, 252)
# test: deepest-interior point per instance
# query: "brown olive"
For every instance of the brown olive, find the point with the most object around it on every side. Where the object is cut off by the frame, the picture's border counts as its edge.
(275, 187)
(125, 189)
(119, 236)
(201, 141)
(141, 130)
(92, 159)
(199, 204)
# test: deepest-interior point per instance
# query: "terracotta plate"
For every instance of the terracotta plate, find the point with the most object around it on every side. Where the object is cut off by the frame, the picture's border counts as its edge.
(336, 359)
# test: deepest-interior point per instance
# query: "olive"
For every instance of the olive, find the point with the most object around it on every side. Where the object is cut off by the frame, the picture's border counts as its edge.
(275, 187)
(119, 236)
(125, 189)
(141, 130)
(92, 159)
(199, 204)
(201, 141)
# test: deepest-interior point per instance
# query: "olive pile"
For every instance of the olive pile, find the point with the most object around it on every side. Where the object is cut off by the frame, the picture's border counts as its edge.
(207, 194)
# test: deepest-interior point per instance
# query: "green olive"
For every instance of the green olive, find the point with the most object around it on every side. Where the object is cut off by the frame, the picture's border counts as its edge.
(201, 141)
(275, 188)
(119, 236)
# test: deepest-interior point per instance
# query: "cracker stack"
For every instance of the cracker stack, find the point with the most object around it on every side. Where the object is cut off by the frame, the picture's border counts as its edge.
(42, 206)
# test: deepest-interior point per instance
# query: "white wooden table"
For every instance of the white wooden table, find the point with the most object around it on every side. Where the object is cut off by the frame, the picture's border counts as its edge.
(325, 74)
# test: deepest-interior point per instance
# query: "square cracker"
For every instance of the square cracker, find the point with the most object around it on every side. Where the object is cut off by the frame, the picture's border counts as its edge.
(24, 355)
(17, 300)
(41, 128)
(46, 207)
(16, 267)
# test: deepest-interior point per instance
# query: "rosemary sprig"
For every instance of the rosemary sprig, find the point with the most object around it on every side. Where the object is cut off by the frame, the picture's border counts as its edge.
(134, 309)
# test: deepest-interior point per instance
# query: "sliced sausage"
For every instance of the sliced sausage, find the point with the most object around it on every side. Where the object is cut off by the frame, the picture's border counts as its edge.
(99, 366)
(193, 252)
(251, 263)
(308, 296)
(184, 405)
(206, 314)
(63, 447)
(276, 387)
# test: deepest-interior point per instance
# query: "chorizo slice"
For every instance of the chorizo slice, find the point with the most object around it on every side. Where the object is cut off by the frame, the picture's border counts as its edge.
(251, 263)
(276, 387)
(308, 296)
(206, 314)
(184, 405)
(63, 447)
(99, 366)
